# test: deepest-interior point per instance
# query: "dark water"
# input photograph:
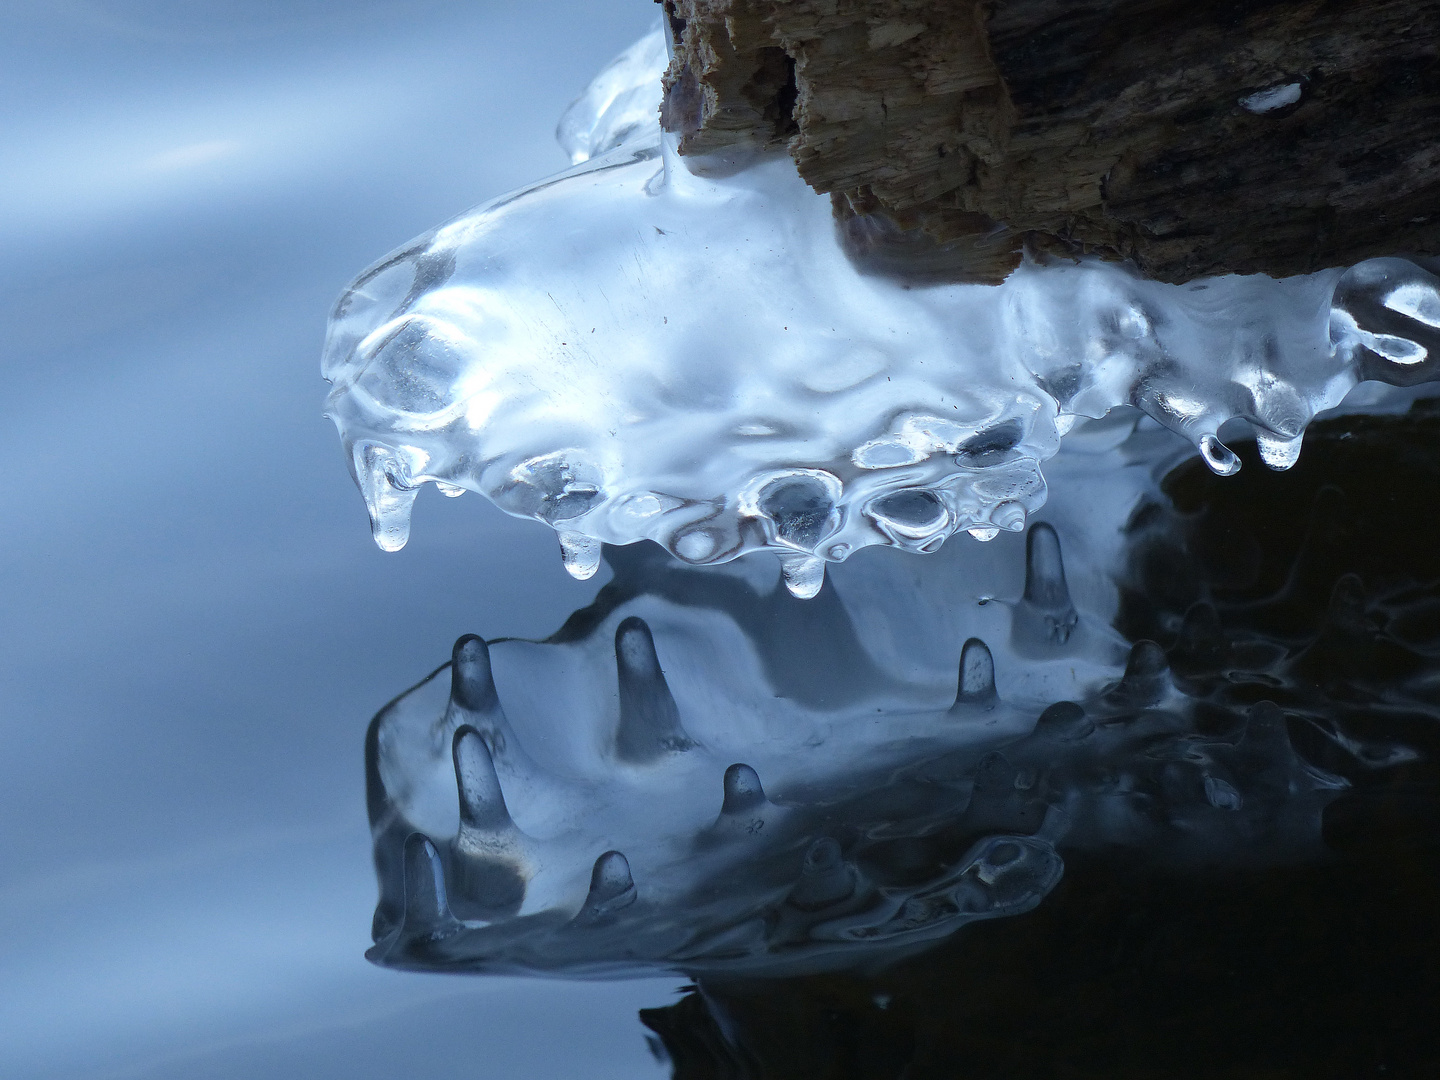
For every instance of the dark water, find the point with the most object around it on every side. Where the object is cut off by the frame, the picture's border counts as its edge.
(1320, 590)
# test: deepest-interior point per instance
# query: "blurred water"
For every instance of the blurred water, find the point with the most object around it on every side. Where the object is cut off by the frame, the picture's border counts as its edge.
(195, 623)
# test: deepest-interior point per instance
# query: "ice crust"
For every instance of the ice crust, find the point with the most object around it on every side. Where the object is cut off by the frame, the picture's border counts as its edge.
(650, 347)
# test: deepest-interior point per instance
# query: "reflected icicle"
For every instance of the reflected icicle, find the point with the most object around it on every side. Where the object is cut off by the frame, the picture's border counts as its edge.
(580, 554)
(388, 831)
(427, 910)
(999, 876)
(826, 878)
(1045, 615)
(804, 575)
(483, 814)
(649, 719)
(1200, 646)
(1145, 680)
(745, 806)
(472, 683)
(489, 864)
(611, 888)
(473, 699)
(1221, 794)
(743, 792)
(999, 801)
(976, 689)
(1064, 721)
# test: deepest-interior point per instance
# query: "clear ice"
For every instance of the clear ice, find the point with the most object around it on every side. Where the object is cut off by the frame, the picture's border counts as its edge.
(646, 347)
(702, 772)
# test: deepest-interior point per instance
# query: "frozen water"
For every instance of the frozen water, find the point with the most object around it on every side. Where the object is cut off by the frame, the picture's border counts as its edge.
(620, 103)
(646, 347)
(702, 772)
(1272, 98)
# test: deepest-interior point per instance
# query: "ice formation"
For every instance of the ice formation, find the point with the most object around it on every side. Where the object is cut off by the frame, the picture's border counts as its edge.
(702, 772)
(681, 350)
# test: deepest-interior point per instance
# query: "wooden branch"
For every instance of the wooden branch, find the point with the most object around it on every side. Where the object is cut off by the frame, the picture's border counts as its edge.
(1193, 137)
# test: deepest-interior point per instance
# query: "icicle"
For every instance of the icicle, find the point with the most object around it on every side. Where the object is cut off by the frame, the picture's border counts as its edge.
(580, 554)
(1390, 308)
(988, 383)
(803, 575)
(1218, 456)
(1276, 451)
(649, 719)
(388, 496)
(977, 678)
(912, 518)
(450, 491)
(983, 533)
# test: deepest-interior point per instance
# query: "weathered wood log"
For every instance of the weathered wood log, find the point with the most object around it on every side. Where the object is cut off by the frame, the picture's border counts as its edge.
(1193, 137)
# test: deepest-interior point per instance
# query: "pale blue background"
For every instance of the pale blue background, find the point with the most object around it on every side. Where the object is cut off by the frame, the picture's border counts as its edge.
(195, 625)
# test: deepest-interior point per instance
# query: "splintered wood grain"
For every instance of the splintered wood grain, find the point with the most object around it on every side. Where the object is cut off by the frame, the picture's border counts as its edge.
(953, 134)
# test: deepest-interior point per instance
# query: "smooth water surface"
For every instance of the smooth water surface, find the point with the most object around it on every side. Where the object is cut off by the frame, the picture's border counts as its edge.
(195, 625)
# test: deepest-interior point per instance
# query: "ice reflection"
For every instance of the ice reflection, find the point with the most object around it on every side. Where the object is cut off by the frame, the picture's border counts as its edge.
(701, 772)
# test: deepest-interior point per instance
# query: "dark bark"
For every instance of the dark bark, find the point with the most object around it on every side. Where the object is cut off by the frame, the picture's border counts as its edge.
(950, 135)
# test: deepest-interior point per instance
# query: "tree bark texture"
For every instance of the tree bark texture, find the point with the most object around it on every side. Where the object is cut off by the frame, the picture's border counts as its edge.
(1194, 137)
